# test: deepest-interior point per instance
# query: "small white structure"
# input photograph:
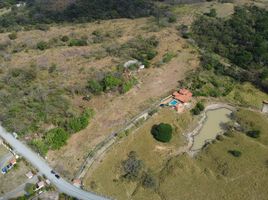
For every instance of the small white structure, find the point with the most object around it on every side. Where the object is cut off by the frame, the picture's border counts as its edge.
(131, 62)
(48, 182)
(29, 175)
(265, 107)
(40, 185)
(142, 67)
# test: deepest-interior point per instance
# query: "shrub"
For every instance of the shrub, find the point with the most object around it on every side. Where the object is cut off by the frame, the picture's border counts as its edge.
(162, 132)
(42, 45)
(56, 138)
(77, 42)
(229, 134)
(199, 107)
(79, 123)
(94, 86)
(235, 153)
(12, 36)
(168, 57)
(42, 27)
(132, 167)
(39, 146)
(65, 38)
(111, 81)
(253, 133)
(220, 137)
(149, 181)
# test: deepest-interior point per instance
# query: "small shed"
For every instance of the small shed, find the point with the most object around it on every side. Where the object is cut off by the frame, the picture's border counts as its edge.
(40, 185)
(265, 106)
(29, 175)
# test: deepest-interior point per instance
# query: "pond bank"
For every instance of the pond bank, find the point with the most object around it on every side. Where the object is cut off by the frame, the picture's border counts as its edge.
(204, 116)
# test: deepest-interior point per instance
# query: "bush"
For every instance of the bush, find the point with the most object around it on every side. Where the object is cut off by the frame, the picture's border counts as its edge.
(162, 132)
(220, 137)
(79, 123)
(12, 36)
(39, 146)
(132, 167)
(253, 133)
(94, 86)
(65, 38)
(149, 181)
(56, 138)
(168, 57)
(235, 153)
(199, 107)
(111, 81)
(42, 45)
(229, 134)
(77, 42)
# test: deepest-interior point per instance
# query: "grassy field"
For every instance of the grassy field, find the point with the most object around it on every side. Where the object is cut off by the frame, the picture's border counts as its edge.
(213, 174)
(247, 95)
(15, 177)
(154, 154)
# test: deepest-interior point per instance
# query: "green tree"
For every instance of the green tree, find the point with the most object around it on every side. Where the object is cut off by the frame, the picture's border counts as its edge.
(132, 167)
(56, 138)
(162, 132)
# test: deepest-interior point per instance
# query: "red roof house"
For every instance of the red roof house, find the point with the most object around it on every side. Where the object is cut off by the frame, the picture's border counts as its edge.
(183, 95)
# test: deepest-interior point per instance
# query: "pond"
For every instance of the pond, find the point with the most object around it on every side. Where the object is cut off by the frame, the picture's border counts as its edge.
(211, 127)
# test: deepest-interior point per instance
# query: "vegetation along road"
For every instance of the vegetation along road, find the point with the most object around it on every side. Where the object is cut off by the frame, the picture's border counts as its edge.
(44, 168)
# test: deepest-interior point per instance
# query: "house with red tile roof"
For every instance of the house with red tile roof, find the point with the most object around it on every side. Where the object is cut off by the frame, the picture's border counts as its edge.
(183, 95)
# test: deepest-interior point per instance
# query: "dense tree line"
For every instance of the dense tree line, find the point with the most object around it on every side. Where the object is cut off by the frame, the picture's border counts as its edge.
(243, 39)
(45, 11)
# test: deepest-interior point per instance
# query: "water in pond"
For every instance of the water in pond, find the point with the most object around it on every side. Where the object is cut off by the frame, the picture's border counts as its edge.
(211, 127)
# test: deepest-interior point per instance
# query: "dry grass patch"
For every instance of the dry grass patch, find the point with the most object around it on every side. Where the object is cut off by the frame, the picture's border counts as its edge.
(107, 173)
(15, 177)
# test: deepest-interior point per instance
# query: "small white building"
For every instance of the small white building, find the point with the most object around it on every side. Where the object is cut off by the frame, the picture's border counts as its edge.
(29, 175)
(265, 106)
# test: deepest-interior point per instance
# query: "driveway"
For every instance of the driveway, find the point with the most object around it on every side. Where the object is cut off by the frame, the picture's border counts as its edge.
(19, 191)
(44, 168)
(5, 159)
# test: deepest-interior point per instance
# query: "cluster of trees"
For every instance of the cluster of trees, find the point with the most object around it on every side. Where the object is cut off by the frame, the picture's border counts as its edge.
(57, 137)
(140, 48)
(162, 132)
(47, 11)
(134, 170)
(199, 107)
(243, 39)
(111, 82)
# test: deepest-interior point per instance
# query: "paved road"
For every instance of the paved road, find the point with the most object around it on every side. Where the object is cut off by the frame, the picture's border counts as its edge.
(45, 169)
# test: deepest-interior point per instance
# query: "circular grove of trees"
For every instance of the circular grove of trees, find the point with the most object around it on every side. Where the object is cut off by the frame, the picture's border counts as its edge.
(162, 132)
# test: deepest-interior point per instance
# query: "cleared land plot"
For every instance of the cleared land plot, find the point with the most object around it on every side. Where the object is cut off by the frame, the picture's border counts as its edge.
(106, 174)
(15, 177)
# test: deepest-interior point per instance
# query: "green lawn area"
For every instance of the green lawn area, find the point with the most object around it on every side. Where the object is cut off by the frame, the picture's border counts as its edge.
(247, 95)
(154, 154)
